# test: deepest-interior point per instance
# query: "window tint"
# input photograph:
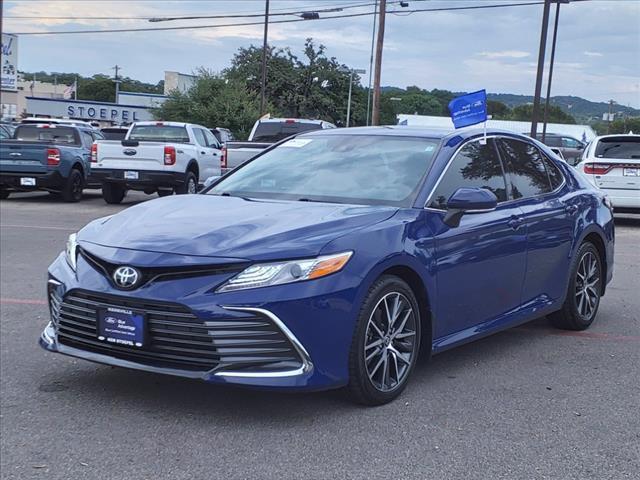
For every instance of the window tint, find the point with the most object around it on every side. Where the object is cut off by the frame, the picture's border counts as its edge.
(475, 165)
(526, 167)
(555, 175)
(33, 133)
(624, 147)
(551, 141)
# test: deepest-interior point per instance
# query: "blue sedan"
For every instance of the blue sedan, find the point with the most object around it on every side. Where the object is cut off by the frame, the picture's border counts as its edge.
(334, 258)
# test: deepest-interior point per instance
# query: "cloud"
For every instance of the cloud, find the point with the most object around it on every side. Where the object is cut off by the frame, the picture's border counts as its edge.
(592, 54)
(505, 54)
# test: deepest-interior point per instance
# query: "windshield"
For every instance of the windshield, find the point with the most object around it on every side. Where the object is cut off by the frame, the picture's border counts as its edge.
(619, 147)
(276, 131)
(32, 133)
(159, 133)
(357, 169)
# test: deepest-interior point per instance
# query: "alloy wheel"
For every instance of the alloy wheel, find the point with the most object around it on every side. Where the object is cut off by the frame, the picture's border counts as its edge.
(191, 187)
(587, 292)
(390, 342)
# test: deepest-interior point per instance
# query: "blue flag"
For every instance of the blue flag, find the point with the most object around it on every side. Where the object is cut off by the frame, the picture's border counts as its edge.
(469, 109)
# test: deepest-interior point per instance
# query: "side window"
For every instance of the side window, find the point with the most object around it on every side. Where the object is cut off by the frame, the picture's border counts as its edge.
(569, 142)
(199, 134)
(211, 139)
(87, 138)
(475, 165)
(555, 175)
(526, 168)
(552, 141)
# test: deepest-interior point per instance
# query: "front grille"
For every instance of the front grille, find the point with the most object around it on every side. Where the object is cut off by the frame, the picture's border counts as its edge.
(176, 338)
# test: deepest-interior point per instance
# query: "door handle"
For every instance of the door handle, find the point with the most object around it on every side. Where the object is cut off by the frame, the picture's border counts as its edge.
(516, 222)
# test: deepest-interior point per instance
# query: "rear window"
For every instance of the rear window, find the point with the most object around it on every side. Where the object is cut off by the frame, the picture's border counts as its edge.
(618, 147)
(113, 133)
(159, 133)
(32, 133)
(276, 131)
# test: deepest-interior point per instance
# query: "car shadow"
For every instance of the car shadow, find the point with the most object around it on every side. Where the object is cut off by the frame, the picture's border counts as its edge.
(628, 220)
(174, 396)
(87, 196)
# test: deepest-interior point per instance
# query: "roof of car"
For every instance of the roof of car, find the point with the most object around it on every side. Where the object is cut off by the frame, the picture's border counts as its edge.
(617, 135)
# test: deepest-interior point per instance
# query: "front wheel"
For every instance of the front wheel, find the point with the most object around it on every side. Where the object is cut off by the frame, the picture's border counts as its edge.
(113, 193)
(585, 289)
(72, 190)
(190, 184)
(386, 342)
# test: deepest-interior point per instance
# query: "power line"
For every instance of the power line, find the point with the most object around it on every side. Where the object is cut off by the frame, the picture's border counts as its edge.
(245, 24)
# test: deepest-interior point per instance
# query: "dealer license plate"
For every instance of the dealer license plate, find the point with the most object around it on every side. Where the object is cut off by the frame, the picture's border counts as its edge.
(128, 175)
(121, 326)
(631, 172)
(28, 182)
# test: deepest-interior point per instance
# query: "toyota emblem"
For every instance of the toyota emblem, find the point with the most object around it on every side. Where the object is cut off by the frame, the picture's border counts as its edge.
(126, 277)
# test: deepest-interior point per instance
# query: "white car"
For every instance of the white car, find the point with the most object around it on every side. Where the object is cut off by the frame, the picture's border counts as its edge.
(162, 157)
(612, 163)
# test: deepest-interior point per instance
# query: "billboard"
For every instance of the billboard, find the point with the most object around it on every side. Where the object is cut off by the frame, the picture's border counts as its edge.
(9, 62)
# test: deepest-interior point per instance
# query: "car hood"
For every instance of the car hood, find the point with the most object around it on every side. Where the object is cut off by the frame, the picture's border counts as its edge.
(231, 227)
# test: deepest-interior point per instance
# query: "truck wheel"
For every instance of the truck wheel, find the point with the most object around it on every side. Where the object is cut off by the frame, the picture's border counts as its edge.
(4, 194)
(113, 193)
(190, 184)
(165, 192)
(72, 190)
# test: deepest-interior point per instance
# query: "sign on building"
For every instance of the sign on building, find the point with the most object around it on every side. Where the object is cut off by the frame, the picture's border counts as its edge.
(87, 110)
(9, 62)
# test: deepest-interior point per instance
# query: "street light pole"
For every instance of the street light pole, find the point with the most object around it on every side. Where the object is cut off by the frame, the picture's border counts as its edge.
(373, 39)
(375, 114)
(263, 84)
(541, 52)
(553, 56)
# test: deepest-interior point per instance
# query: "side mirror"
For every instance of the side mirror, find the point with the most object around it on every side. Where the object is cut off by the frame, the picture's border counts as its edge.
(469, 200)
(209, 181)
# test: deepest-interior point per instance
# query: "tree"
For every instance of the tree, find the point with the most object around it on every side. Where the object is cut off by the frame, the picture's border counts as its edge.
(556, 115)
(214, 101)
(497, 110)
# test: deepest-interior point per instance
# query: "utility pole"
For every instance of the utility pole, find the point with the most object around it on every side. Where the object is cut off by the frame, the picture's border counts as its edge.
(541, 52)
(375, 115)
(117, 81)
(373, 40)
(263, 84)
(553, 56)
(610, 117)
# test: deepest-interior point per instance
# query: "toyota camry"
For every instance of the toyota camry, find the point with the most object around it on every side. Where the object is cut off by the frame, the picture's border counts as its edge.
(334, 258)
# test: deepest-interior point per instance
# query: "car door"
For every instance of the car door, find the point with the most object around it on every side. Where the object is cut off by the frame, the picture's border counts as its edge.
(550, 212)
(205, 154)
(216, 152)
(480, 264)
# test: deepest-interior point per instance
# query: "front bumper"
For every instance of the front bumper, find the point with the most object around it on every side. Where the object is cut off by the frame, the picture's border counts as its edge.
(146, 178)
(316, 317)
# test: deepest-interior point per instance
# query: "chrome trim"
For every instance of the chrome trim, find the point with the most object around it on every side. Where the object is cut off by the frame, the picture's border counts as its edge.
(307, 365)
(506, 202)
(54, 282)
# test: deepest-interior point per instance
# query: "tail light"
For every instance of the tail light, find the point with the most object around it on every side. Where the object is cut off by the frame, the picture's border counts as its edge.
(169, 155)
(94, 153)
(53, 157)
(597, 168)
(223, 157)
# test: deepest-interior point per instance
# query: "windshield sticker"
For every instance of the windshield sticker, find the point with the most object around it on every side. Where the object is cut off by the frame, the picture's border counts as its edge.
(297, 142)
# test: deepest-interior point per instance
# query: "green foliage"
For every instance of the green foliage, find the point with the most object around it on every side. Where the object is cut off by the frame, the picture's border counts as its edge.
(214, 102)
(525, 113)
(623, 125)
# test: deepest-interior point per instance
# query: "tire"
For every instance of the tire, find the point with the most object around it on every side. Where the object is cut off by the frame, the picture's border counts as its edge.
(4, 194)
(165, 193)
(372, 379)
(585, 289)
(113, 193)
(72, 190)
(190, 184)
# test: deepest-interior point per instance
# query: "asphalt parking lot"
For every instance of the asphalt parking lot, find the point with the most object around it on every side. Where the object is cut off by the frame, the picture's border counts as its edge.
(529, 403)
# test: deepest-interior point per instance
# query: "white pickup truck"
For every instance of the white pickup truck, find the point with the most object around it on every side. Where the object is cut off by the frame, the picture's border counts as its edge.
(162, 157)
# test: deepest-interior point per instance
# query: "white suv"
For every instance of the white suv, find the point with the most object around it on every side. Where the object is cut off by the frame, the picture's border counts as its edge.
(612, 163)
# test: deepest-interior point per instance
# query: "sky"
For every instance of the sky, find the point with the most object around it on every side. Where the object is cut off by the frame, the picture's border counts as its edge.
(597, 57)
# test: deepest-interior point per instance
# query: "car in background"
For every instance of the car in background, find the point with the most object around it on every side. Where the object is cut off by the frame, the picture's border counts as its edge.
(6, 131)
(223, 135)
(49, 157)
(558, 152)
(612, 163)
(114, 133)
(332, 259)
(56, 121)
(570, 147)
(265, 133)
(162, 157)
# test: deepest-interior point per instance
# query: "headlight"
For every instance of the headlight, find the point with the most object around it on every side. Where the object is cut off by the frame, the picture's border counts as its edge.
(267, 274)
(71, 252)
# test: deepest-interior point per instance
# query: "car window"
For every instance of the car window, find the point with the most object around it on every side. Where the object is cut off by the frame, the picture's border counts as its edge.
(555, 175)
(87, 138)
(526, 168)
(212, 141)
(622, 147)
(275, 131)
(475, 165)
(98, 136)
(34, 133)
(200, 138)
(569, 142)
(159, 133)
(552, 141)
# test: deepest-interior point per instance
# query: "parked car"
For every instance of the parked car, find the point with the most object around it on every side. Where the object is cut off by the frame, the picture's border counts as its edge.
(612, 163)
(223, 135)
(6, 131)
(570, 147)
(56, 121)
(558, 153)
(114, 133)
(265, 133)
(47, 157)
(160, 157)
(334, 258)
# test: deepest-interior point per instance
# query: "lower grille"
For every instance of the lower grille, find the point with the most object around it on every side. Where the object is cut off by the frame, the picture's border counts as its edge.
(176, 338)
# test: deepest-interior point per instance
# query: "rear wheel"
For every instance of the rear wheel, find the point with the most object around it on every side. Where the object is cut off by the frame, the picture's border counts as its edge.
(113, 193)
(72, 190)
(386, 342)
(190, 184)
(585, 289)
(4, 193)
